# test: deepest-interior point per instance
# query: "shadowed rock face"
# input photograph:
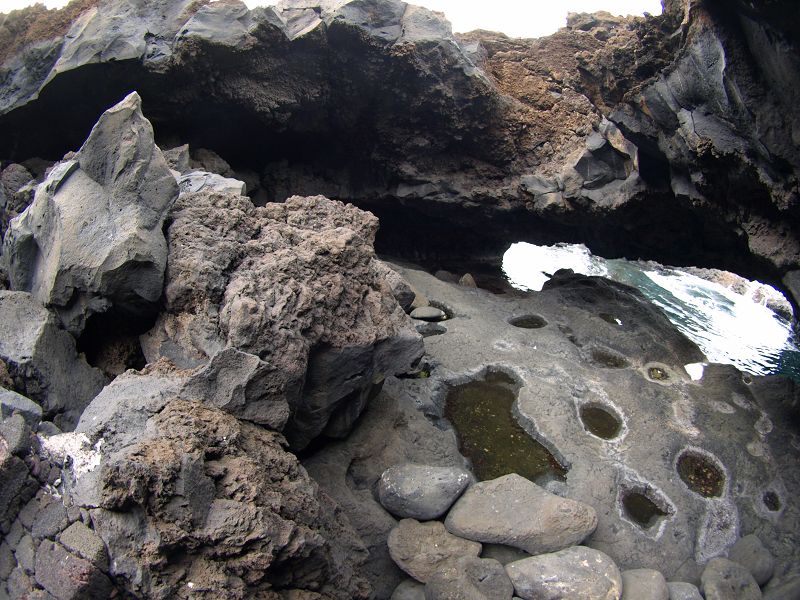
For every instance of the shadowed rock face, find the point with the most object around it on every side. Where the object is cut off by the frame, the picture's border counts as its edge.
(678, 130)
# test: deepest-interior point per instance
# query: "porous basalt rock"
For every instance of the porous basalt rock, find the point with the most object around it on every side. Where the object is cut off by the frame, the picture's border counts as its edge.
(297, 286)
(175, 478)
(92, 240)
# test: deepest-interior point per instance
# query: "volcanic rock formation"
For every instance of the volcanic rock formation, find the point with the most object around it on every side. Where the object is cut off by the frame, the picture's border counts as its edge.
(670, 137)
(179, 322)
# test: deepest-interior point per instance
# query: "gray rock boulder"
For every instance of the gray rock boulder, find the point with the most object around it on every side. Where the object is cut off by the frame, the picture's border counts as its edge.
(240, 384)
(11, 402)
(178, 158)
(294, 284)
(207, 160)
(470, 577)
(644, 584)
(421, 492)
(421, 549)
(401, 290)
(42, 360)
(723, 579)
(679, 590)
(751, 554)
(92, 240)
(516, 512)
(576, 573)
(428, 313)
(787, 588)
(84, 542)
(68, 577)
(13, 198)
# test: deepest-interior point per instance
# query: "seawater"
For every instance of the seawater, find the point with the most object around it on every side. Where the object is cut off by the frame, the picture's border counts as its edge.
(729, 328)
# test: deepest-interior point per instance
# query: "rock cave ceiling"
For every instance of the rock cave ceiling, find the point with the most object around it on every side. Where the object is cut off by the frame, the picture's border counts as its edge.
(670, 138)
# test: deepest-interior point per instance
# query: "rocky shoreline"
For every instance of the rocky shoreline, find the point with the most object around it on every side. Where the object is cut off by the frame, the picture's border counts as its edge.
(213, 388)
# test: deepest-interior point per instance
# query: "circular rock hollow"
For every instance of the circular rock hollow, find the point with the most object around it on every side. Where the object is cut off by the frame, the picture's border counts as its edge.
(610, 319)
(659, 373)
(642, 510)
(607, 359)
(600, 421)
(701, 474)
(771, 501)
(528, 322)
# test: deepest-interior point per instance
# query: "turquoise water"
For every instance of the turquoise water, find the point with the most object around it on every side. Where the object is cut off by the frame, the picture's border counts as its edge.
(729, 328)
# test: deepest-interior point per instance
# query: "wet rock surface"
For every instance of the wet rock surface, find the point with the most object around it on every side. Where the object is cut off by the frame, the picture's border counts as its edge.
(647, 516)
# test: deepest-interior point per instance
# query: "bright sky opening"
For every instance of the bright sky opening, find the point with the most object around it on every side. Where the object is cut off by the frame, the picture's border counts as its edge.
(516, 18)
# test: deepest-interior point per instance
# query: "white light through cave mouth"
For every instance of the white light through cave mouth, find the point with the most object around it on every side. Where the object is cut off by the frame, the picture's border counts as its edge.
(527, 267)
(729, 328)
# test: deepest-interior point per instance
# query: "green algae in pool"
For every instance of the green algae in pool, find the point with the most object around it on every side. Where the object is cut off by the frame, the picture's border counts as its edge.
(490, 437)
(701, 475)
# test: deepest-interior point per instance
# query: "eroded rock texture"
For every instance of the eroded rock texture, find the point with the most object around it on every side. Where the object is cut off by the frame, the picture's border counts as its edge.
(680, 131)
(191, 502)
(294, 285)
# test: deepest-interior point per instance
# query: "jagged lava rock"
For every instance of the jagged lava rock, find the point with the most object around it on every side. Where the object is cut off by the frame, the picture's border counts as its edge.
(420, 491)
(42, 360)
(92, 238)
(241, 384)
(516, 512)
(576, 573)
(470, 577)
(420, 549)
(723, 579)
(161, 475)
(295, 284)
